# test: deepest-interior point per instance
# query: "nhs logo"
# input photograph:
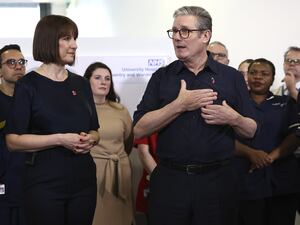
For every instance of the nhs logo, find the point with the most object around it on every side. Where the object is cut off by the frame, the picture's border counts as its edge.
(156, 62)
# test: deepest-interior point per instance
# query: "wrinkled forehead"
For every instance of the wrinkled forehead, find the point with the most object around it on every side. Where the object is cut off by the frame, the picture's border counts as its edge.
(216, 48)
(293, 55)
(185, 21)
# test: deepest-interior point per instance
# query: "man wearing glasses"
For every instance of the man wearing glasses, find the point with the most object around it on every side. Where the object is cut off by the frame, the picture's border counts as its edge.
(196, 105)
(219, 52)
(291, 86)
(12, 68)
(291, 67)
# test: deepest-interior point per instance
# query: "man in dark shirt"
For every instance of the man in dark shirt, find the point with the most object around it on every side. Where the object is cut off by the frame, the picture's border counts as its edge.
(12, 68)
(196, 104)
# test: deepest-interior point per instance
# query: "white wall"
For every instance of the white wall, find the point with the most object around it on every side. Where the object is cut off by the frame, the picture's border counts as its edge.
(97, 49)
(249, 28)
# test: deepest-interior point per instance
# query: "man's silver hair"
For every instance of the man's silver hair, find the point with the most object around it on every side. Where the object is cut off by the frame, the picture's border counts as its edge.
(292, 48)
(204, 20)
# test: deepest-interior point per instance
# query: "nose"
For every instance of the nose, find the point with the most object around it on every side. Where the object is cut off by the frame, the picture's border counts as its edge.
(18, 66)
(102, 80)
(74, 43)
(258, 76)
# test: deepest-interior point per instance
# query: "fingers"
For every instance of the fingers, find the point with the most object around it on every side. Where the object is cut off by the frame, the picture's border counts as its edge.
(194, 99)
(86, 143)
(200, 98)
(214, 114)
(259, 160)
(182, 85)
(78, 143)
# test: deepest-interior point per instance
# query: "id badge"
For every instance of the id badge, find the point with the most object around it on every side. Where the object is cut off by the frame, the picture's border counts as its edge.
(2, 189)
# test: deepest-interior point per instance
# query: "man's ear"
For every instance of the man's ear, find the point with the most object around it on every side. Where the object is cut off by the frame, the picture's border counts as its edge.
(207, 36)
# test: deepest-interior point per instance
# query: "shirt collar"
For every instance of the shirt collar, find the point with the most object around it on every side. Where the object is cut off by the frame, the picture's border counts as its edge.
(270, 96)
(210, 65)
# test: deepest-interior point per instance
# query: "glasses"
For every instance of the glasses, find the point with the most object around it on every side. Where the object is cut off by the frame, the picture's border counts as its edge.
(12, 63)
(183, 33)
(219, 55)
(292, 61)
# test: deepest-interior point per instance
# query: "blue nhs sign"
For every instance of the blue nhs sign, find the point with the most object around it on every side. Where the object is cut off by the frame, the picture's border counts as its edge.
(156, 62)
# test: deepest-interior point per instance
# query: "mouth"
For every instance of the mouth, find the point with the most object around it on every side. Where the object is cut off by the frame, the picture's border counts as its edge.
(180, 47)
(257, 84)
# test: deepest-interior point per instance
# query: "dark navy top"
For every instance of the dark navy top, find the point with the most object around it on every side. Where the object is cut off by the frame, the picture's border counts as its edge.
(11, 163)
(43, 106)
(277, 118)
(298, 110)
(188, 139)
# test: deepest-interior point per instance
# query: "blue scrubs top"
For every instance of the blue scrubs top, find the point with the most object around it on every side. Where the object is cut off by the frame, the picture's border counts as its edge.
(277, 118)
(11, 163)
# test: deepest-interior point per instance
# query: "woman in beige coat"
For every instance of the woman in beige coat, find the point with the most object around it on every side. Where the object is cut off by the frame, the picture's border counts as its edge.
(114, 181)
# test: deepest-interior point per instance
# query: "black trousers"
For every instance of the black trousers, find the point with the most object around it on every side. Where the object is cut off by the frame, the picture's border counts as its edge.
(282, 209)
(178, 198)
(253, 212)
(60, 189)
(276, 210)
(12, 215)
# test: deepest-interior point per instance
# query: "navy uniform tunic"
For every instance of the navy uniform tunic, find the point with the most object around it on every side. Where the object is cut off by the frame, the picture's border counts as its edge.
(277, 118)
(11, 163)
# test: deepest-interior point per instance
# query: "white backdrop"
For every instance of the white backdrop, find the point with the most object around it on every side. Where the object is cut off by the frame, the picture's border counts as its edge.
(131, 66)
(121, 28)
(249, 28)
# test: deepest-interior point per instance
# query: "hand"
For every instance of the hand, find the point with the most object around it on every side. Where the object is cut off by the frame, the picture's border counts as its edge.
(290, 82)
(78, 143)
(219, 114)
(194, 99)
(86, 143)
(259, 159)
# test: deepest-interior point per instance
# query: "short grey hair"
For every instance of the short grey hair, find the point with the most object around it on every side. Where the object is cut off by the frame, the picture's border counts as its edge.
(218, 43)
(204, 20)
(292, 48)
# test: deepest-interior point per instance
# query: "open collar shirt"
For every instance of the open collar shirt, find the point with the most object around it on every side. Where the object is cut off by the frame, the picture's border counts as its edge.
(188, 139)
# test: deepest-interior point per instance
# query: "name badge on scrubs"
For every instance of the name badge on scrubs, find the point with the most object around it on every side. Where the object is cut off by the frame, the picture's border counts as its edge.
(2, 189)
